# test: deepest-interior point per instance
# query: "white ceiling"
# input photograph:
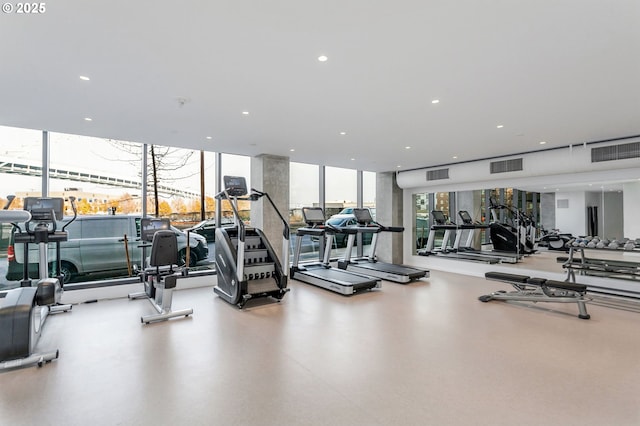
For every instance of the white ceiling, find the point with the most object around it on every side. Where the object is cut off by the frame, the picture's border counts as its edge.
(562, 71)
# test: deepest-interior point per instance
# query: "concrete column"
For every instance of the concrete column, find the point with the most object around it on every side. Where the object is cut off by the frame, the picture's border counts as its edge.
(631, 207)
(389, 212)
(548, 210)
(614, 225)
(270, 174)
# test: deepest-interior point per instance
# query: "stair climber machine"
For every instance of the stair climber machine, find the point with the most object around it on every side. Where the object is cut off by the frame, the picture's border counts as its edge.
(514, 237)
(321, 273)
(465, 249)
(370, 265)
(247, 266)
(24, 310)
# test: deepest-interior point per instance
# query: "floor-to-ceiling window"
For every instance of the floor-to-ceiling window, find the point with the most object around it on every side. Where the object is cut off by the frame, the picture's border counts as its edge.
(304, 191)
(21, 174)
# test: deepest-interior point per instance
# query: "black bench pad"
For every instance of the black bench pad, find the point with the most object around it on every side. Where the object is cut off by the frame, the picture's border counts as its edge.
(523, 279)
(536, 281)
(566, 286)
(501, 276)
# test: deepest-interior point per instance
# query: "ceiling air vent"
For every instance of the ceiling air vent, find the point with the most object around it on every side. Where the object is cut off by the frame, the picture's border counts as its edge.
(615, 152)
(506, 166)
(437, 174)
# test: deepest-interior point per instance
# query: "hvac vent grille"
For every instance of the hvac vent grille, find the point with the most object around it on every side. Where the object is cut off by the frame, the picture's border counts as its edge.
(506, 166)
(437, 174)
(615, 152)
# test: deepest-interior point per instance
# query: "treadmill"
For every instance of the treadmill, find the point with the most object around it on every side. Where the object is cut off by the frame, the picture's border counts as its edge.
(456, 252)
(439, 224)
(320, 273)
(369, 265)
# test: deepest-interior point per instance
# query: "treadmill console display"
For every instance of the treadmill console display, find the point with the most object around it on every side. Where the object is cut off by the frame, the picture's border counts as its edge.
(313, 215)
(363, 216)
(236, 186)
(465, 216)
(44, 209)
(152, 225)
(438, 217)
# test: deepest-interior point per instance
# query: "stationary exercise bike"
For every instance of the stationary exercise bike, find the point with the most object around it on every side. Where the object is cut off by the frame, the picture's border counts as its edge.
(24, 310)
(159, 278)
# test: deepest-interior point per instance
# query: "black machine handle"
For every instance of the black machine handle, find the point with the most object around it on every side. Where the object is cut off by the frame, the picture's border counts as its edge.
(72, 200)
(10, 199)
(255, 194)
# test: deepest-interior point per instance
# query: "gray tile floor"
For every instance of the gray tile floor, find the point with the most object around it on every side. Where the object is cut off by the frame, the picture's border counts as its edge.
(427, 353)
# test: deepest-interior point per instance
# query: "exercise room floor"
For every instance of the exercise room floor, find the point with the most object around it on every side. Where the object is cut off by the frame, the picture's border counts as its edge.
(427, 353)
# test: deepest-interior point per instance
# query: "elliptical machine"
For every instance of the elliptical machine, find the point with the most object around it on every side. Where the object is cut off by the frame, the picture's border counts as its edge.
(247, 266)
(24, 310)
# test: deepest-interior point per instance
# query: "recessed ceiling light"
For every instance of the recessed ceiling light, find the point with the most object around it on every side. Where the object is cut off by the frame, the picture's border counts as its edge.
(353, 159)
(398, 166)
(543, 142)
(499, 126)
(88, 119)
(343, 133)
(209, 137)
(407, 147)
(322, 58)
(84, 77)
(455, 156)
(292, 149)
(245, 112)
(435, 101)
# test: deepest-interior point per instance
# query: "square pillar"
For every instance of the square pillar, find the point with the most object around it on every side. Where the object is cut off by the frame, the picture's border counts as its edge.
(389, 211)
(270, 174)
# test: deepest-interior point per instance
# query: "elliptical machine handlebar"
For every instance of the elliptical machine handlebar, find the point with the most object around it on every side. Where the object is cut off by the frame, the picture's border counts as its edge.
(72, 200)
(10, 199)
(255, 195)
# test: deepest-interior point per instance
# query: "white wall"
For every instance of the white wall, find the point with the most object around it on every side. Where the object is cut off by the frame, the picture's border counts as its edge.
(572, 220)
(565, 166)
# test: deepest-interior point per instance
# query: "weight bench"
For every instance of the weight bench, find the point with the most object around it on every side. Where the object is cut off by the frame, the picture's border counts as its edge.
(607, 268)
(529, 289)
